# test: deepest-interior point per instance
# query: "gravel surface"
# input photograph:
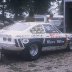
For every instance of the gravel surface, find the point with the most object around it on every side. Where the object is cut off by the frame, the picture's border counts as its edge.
(54, 61)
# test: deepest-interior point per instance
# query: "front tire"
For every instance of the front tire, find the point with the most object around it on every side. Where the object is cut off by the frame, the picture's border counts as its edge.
(33, 51)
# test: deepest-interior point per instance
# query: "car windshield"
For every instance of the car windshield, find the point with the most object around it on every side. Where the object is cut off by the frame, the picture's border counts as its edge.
(17, 27)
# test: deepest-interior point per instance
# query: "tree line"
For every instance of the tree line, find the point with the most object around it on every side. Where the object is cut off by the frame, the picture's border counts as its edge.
(32, 6)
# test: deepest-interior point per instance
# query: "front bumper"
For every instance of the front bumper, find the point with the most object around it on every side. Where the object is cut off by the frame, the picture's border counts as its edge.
(10, 47)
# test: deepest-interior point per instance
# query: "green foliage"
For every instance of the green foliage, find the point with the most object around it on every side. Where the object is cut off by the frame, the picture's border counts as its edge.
(32, 6)
(61, 9)
(41, 6)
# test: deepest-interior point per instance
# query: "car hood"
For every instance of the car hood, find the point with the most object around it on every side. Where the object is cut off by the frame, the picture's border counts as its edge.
(14, 33)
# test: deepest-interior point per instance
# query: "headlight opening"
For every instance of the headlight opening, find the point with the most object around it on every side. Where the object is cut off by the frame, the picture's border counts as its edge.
(6, 39)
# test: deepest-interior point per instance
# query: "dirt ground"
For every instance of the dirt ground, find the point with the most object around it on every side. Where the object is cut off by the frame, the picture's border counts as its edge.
(54, 61)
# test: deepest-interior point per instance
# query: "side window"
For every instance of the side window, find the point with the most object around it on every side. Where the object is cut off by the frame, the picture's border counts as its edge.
(37, 29)
(50, 29)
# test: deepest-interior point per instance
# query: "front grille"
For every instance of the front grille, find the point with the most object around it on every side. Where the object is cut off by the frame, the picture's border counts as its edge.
(18, 43)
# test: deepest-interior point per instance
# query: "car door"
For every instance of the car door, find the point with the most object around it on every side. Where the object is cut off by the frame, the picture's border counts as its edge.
(53, 36)
(37, 33)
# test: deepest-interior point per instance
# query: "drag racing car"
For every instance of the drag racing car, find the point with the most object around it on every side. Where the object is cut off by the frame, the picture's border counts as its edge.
(30, 38)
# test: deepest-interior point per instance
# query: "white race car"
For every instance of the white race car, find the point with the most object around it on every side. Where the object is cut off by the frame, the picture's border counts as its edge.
(31, 38)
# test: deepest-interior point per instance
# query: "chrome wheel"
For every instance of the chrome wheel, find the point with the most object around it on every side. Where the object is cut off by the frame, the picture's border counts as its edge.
(33, 50)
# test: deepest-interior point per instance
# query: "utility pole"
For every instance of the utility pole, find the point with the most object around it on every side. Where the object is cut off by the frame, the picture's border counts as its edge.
(3, 2)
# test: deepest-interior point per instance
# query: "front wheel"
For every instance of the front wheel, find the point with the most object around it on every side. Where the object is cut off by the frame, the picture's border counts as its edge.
(33, 51)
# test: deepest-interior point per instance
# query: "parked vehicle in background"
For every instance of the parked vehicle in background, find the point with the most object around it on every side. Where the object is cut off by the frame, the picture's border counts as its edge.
(39, 18)
(57, 20)
(30, 38)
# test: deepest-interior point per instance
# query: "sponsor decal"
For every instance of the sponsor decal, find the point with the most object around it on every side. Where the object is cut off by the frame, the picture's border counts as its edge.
(37, 36)
(60, 41)
(50, 42)
(54, 35)
(55, 41)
